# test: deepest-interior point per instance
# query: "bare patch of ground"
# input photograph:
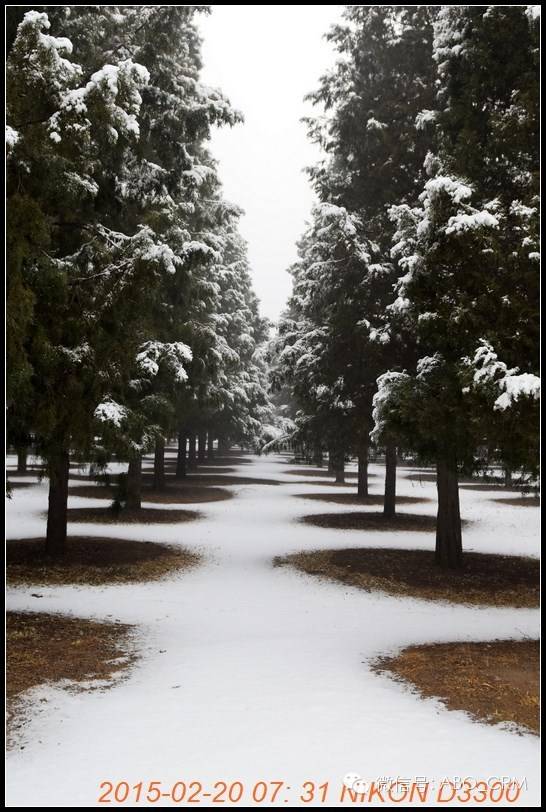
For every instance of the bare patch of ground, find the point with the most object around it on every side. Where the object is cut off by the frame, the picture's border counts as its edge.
(494, 682)
(172, 494)
(94, 561)
(486, 579)
(46, 648)
(355, 499)
(35, 474)
(371, 520)
(201, 468)
(320, 472)
(218, 461)
(107, 515)
(214, 479)
(471, 483)
(520, 501)
(316, 482)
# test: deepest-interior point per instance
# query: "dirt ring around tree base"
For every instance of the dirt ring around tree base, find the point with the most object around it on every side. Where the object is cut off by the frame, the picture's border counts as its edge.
(485, 580)
(46, 648)
(18, 486)
(519, 501)
(355, 499)
(107, 515)
(323, 473)
(372, 520)
(171, 494)
(495, 682)
(90, 560)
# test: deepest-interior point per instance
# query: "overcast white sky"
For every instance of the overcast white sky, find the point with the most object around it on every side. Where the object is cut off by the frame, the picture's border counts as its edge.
(265, 59)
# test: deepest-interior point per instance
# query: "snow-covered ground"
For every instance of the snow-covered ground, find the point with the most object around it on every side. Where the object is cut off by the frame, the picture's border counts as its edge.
(250, 672)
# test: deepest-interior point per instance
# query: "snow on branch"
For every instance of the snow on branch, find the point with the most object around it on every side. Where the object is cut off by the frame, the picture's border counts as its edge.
(174, 356)
(512, 384)
(115, 90)
(111, 412)
(516, 386)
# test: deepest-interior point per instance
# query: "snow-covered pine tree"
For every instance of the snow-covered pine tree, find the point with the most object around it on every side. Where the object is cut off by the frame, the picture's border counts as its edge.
(69, 272)
(101, 199)
(237, 398)
(329, 352)
(375, 132)
(469, 256)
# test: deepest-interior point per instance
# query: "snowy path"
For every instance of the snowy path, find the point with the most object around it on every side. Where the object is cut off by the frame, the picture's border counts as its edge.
(263, 672)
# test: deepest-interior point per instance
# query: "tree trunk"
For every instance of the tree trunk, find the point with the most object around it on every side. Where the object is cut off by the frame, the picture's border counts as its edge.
(22, 459)
(223, 445)
(331, 458)
(59, 467)
(449, 545)
(317, 455)
(134, 483)
(389, 503)
(339, 466)
(202, 446)
(181, 456)
(159, 464)
(363, 469)
(210, 447)
(191, 450)
(507, 477)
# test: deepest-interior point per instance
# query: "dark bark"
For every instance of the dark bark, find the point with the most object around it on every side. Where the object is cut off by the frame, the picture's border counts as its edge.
(210, 446)
(181, 456)
(59, 467)
(363, 469)
(202, 446)
(134, 483)
(389, 502)
(318, 459)
(159, 464)
(449, 545)
(339, 466)
(192, 450)
(223, 445)
(331, 458)
(507, 477)
(22, 452)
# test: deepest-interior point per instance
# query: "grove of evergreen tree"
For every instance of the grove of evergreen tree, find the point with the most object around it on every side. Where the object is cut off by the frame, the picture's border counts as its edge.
(130, 311)
(413, 322)
(412, 327)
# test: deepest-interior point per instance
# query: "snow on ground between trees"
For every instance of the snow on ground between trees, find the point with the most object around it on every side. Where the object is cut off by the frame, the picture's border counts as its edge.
(250, 672)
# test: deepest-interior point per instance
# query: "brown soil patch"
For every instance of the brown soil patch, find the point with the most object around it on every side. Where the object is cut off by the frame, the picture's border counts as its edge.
(34, 474)
(355, 499)
(217, 461)
(490, 486)
(106, 515)
(47, 648)
(489, 580)
(409, 522)
(470, 484)
(173, 494)
(16, 486)
(228, 461)
(94, 561)
(316, 482)
(320, 472)
(170, 469)
(520, 501)
(493, 682)
(214, 479)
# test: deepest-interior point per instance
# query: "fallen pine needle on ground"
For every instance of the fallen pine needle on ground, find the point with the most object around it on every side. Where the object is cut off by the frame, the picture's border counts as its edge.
(494, 682)
(47, 648)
